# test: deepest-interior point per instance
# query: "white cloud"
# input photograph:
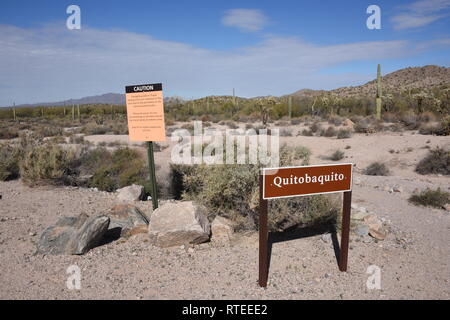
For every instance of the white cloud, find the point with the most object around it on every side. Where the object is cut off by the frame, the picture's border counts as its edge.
(246, 20)
(52, 63)
(421, 13)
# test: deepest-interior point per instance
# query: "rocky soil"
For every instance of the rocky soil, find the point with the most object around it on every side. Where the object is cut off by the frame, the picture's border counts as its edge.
(414, 259)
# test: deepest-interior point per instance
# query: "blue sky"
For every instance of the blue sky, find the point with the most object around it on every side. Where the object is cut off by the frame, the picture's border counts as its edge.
(198, 48)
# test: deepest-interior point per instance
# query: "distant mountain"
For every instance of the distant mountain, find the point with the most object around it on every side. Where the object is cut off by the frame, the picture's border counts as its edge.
(425, 77)
(107, 98)
(404, 79)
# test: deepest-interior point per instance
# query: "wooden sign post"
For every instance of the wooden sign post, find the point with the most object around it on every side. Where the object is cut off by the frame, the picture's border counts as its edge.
(145, 114)
(289, 182)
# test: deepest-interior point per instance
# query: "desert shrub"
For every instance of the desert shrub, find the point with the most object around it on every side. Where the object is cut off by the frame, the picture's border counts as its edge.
(110, 171)
(45, 163)
(344, 134)
(440, 129)
(396, 127)
(231, 125)
(426, 117)
(377, 169)
(9, 162)
(232, 190)
(282, 123)
(315, 127)
(432, 198)
(307, 133)
(93, 128)
(366, 125)
(335, 120)
(49, 131)
(410, 120)
(389, 117)
(329, 132)
(337, 155)
(285, 132)
(296, 122)
(76, 139)
(9, 133)
(436, 162)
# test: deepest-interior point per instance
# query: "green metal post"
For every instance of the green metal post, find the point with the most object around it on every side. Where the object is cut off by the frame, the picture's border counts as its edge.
(151, 165)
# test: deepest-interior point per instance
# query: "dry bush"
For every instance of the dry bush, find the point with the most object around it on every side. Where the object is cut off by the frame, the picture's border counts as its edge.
(427, 117)
(344, 134)
(329, 132)
(431, 198)
(436, 162)
(285, 132)
(440, 129)
(337, 155)
(315, 127)
(9, 162)
(8, 133)
(390, 117)
(307, 133)
(232, 190)
(282, 123)
(377, 169)
(410, 120)
(45, 163)
(366, 125)
(296, 122)
(335, 120)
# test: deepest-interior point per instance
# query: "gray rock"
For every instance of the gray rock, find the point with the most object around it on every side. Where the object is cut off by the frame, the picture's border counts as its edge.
(125, 220)
(73, 235)
(131, 193)
(361, 230)
(178, 223)
(326, 237)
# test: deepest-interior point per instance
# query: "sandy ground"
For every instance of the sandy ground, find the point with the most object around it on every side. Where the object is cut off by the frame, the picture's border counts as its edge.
(414, 258)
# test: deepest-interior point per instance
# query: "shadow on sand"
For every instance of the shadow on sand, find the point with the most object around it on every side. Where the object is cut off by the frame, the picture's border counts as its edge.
(299, 233)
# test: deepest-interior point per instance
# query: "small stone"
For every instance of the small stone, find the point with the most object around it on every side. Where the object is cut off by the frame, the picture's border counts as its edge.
(373, 222)
(397, 189)
(191, 250)
(32, 234)
(326, 237)
(377, 234)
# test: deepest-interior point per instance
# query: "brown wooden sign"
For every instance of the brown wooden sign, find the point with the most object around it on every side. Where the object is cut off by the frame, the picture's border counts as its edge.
(306, 180)
(301, 181)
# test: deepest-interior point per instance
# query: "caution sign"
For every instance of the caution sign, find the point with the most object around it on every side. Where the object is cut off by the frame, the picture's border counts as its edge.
(145, 112)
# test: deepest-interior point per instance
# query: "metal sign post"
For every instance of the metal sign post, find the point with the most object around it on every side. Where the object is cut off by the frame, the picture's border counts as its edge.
(151, 165)
(300, 181)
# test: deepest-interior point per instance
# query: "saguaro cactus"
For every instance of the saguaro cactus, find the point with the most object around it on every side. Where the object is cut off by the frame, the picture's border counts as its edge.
(379, 93)
(14, 111)
(290, 107)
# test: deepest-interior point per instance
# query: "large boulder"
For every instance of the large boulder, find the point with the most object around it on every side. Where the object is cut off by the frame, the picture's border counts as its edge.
(125, 220)
(178, 223)
(73, 235)
(131, 193)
